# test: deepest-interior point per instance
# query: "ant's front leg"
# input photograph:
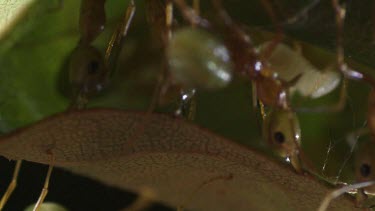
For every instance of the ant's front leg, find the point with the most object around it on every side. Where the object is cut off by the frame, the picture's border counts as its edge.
(12, 184)
(44, 192)
(115, 44)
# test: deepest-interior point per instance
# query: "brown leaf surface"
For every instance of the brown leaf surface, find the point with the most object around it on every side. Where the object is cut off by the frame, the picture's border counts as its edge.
(182, 163)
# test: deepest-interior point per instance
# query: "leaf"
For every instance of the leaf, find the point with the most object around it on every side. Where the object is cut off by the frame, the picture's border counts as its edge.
(9, 13)
(182, 163)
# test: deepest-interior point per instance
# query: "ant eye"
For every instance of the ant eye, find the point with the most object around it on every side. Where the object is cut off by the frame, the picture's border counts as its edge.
(87, 69)
(92, 67)
(365, 170)
(279, 137)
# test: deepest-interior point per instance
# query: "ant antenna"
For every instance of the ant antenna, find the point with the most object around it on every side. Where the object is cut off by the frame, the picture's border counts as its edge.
(45, 187)
(191, 15)
(12, 185)
(301, 13)
(116, 39)
(340, 18)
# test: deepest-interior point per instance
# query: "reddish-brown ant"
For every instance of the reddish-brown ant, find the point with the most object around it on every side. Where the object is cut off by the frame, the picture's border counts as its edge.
(271, 91)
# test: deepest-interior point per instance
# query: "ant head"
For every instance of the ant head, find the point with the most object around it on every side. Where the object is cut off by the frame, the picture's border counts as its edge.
(283, 134)
(87, 70)
(365, 164)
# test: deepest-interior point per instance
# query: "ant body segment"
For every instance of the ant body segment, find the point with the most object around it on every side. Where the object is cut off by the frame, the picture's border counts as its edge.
(270, 90)
(290, 63)
(194, 58)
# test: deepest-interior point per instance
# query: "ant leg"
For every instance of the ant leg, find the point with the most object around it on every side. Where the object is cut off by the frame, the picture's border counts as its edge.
(12, 185)
(262, 110)
(336, 193)
(257, 102)
(298, 159)
(344, 69)
(192, 104)
(162, 85)
(279, 32)
(45, 189)
(336, 107)
(340, 105)
(187, 105)
(190, 14)
(303, 13)
(340, 18)
(116, 42)
(164, 78)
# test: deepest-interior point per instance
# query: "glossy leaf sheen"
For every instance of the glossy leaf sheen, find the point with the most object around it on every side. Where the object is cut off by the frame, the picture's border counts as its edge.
(183, 164)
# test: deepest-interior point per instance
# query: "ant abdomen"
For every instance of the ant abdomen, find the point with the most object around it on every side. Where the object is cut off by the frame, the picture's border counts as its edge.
(198, 60)
(289, 63)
